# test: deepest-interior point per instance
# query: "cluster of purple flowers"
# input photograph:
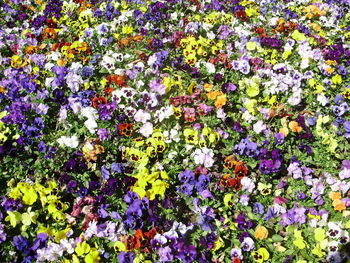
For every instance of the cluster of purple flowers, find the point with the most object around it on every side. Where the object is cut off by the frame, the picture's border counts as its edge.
(247, 147)
(271, 42)
(109, 13)
(338, 53)
(190, 183)
(27, 249)
(292, 216)
(156, 12)
(136, 210)
(170, 248)
(297, 171)
(243, 222)
(271, 162)
(53, 8)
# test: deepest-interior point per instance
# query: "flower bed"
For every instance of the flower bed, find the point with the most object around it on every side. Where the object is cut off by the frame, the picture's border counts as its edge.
(174, 131)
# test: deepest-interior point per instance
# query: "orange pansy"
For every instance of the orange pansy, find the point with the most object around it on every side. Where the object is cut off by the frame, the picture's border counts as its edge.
(294, 126)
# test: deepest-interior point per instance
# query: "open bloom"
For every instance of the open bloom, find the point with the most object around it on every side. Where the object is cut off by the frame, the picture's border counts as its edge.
(247, 244)
(71, 142)
(204, 157)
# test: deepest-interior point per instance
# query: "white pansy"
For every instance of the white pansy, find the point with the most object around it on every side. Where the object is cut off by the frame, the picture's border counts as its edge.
(172, 155)
(75, 104)
(210, 67)
(91, 114)
(151, 60)
(48, 81)
(160, 238)
(71, 142)
(62, 115)
(322, 99)
(73, 81)
(220, 113)
(91, 125)
(68, 245)
(108, 63)
(204, 157)
(248, 117)
(164, 113)
(147, 129)
(142, 116)
(48, 67)
(344, 174)
(247, 184)
(53, 56)
(173, 16)
(210, 35)
(75, 67)
(259, 126)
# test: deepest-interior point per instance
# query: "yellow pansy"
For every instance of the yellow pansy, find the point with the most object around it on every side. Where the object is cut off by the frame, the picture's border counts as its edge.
(85, 16)
(119, 246)
(337, 79)
(253, 90)
(260, 255)
(206, 131)
(93, 256)
(127, 30)
(250, 105)
(139, 190)
(134, 154)
(82, 248)
(314, 216)
(75, 259)
(61, 234)
(168, 82)
(47, 230)
(286, 54)
(177, 112)
(141, 182)
(15, 193)
(14, 217)
(191, 136)
(320, 234)
(202, 143)
(16, 61)
(265, 189)
(317, 250)
(219, 243)
(251, 45)
(191, 58)
(252, 12)
(299, 240)
(29, 217)
(29, 195)
(228, 200)
(164, 175)
(151, 152)
(158, 188)
(3, 129)
(160, 146)
(232, 225)
(298, 36)
(202, 52)
(151, 177)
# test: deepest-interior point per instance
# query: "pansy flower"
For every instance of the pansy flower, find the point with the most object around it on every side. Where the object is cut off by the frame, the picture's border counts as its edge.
(125, 129)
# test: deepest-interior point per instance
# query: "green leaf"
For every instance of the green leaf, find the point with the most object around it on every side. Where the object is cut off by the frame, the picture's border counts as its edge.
(277, 238)
(289, 252)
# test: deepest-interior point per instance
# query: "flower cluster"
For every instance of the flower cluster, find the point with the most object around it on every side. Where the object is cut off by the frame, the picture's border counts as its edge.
(174, 131)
